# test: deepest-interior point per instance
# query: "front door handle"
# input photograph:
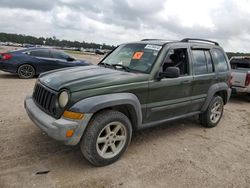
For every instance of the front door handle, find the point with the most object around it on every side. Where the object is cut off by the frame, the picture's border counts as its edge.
(186, 82)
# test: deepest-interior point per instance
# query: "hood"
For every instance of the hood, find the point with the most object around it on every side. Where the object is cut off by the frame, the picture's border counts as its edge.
(88, 77)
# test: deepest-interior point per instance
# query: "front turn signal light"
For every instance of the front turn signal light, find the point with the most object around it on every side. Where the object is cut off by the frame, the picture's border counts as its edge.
(73, 115)
(69, 133)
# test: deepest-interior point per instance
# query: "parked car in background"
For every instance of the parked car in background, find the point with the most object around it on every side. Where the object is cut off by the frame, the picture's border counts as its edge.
(241, 75)
(99, 51)
(33, 61)
(2, 43)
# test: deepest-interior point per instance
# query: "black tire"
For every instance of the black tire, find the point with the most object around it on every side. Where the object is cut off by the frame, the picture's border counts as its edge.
(97, 127)
(206, 118)
(26, 71)
(248, 97)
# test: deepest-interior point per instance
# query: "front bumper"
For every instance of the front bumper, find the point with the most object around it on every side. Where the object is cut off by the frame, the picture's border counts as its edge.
(56, 128)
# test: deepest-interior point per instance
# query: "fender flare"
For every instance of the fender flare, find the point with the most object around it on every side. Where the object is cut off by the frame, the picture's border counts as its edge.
(96, 103)
(211, 92)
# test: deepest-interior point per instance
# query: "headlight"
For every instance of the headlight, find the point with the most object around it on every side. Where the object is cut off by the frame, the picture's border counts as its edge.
(63, 99)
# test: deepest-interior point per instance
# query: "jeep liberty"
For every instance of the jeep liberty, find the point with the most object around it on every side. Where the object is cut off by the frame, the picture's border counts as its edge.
(138, 85)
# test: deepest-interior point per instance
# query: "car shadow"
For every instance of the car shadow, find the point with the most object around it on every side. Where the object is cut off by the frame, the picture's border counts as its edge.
(72, 156)
(5, 75)
(239, 98)
(8, 75)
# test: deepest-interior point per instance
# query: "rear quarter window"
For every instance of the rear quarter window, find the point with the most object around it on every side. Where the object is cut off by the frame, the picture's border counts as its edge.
(39, 53)
(220, 60)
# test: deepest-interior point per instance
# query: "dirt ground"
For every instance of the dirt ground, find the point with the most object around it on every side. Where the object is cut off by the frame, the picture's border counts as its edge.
(180, 154)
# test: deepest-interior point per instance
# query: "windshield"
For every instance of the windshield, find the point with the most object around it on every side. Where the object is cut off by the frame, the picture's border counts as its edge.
(135, 57)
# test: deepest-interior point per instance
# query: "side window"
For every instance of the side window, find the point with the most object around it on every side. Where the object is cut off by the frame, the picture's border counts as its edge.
(203, 63)
(177, 58)
(59, 55)
(210, 67)
(200, 62)
(39, 53)
(220, 60)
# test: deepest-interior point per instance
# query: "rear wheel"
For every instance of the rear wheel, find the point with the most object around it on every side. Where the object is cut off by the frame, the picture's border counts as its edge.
(26, 71)
(211, 117)
(106, 138)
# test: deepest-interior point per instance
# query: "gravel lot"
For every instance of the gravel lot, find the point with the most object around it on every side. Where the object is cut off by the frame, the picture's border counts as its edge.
(180, 154)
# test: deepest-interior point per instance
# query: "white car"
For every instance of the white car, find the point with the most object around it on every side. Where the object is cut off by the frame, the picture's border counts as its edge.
(241, 74)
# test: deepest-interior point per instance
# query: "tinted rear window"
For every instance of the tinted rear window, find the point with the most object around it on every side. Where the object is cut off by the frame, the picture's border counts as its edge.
(240, 63)
(39, 53)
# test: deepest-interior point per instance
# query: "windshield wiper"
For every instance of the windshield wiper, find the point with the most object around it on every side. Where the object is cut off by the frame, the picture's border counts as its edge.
(107, 65)
(122, 66)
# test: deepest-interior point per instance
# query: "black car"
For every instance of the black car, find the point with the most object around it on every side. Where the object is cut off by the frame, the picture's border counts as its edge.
(33, 61)
(99, 52)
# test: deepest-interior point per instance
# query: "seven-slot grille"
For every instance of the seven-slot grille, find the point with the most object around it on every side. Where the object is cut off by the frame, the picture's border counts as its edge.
(45, 99)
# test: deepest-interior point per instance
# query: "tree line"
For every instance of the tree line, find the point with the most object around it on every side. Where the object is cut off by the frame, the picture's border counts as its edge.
(49, 41)
(231, 54)
(53, 41)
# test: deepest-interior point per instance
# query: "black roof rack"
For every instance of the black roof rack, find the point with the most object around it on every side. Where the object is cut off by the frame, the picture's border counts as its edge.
(154, 39)
(200, 40)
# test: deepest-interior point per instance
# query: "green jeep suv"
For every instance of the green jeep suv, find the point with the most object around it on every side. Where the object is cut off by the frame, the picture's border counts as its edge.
(138, 85)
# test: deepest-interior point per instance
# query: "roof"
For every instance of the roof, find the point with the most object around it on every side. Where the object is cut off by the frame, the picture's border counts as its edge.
(29, 49)
(186, 40)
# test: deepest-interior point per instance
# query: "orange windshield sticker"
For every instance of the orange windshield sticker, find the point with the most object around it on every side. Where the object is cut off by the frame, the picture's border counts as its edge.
(138, 55)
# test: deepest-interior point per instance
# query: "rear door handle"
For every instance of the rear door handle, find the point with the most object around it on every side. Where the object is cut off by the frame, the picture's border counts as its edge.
(214, 78)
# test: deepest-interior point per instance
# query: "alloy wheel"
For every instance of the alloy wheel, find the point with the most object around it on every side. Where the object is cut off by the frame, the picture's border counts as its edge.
(111, 140)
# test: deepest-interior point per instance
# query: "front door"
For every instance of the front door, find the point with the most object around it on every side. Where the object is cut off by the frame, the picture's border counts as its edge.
(171, 97)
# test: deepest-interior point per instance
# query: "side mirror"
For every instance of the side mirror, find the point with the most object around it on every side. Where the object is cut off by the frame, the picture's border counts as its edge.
(170, 72)
(70, 59)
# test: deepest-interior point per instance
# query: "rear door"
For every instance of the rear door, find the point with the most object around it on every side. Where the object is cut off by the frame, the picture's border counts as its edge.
(204, 76)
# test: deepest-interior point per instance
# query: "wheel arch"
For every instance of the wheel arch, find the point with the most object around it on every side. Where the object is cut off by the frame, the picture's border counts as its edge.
(220, 89)
(127, 103)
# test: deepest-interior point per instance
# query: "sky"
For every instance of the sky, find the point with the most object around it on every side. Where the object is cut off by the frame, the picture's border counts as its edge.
(118, 21)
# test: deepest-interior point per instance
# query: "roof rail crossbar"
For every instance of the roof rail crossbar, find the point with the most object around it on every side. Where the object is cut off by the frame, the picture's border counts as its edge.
(153, 39)
(201, 40)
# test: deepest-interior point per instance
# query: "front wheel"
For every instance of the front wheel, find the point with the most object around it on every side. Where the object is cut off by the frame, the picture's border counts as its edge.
(211, 117)
(106, 138)
(26, 71)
